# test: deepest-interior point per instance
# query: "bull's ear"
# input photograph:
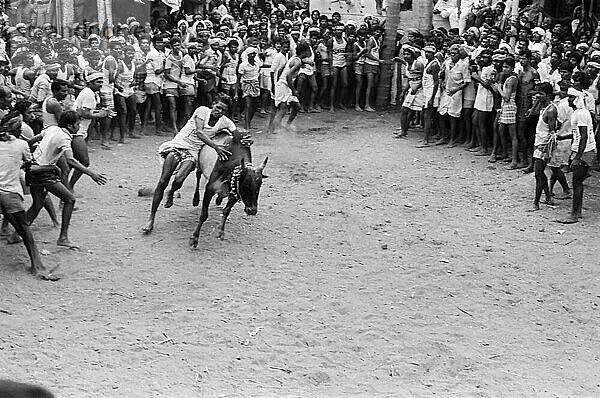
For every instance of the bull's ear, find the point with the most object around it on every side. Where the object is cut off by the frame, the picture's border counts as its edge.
(263, 165)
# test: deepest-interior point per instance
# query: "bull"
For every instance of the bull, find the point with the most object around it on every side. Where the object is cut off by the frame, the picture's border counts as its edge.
(235, 179)
(13, 389)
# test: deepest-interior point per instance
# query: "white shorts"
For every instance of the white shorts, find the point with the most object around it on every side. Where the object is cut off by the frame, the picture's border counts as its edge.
(283, 94)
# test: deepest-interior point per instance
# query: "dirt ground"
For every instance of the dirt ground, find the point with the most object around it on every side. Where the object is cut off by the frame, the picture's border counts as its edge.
(372, 269)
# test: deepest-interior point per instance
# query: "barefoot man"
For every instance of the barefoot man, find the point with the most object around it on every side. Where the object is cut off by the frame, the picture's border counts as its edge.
(13, 154)
(545, 139)
(583, 150)
(285, 93)
(55, 141)
(181, 153)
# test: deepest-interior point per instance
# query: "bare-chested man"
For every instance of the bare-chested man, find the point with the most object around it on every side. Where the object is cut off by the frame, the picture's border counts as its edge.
(285, 93)
(528, 77)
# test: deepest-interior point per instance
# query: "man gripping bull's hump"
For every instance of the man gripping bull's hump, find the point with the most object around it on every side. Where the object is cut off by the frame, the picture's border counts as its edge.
(181, 153)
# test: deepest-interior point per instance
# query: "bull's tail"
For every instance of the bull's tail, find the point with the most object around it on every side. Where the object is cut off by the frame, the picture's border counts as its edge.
(196, 199)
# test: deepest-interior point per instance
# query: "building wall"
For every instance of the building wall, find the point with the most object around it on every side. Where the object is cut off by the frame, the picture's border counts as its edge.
(420, 17)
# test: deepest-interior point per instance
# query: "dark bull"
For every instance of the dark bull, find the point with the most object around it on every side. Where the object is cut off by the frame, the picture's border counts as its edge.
(235, 179)
(13, 389)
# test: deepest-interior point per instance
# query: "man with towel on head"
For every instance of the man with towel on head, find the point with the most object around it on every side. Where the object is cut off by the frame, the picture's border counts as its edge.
(583, 150)
(414, 100)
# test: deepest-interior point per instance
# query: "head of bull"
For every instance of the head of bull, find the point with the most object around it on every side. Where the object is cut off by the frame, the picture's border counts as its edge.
(249, 185)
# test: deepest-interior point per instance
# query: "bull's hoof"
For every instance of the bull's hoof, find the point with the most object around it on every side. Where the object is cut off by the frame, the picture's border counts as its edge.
(194, 242)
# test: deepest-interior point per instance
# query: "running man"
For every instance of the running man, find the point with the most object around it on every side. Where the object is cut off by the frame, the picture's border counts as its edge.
(13, 154)
(285, 93)
(55, 141)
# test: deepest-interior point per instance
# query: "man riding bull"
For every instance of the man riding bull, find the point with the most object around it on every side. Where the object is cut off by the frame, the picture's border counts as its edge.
(181, 153)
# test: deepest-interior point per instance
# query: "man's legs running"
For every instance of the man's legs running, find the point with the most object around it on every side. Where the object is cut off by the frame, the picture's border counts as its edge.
(38, 193)
(19, 222)
(184, 171)
(80, 152)
(168, 168)
(294, 112)
(277, 117)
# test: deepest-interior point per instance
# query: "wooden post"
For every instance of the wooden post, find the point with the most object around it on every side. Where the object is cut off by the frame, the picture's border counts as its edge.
(387, 53)
(514, 18)
(426, 13)
(68, 14)
(101, 13)
(109, 17)
(58, 15)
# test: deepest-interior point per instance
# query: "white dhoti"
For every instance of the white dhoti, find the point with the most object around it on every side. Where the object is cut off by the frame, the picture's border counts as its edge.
(283, 94)
(416, 101)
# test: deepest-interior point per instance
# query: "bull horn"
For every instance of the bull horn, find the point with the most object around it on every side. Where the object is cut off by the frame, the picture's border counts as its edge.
(263, 164)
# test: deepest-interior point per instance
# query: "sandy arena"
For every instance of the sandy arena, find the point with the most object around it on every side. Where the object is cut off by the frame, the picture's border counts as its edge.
(373, 269)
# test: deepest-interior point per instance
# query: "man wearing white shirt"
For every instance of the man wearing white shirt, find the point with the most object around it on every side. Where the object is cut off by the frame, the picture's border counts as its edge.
(583, 149)
(55, 141)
